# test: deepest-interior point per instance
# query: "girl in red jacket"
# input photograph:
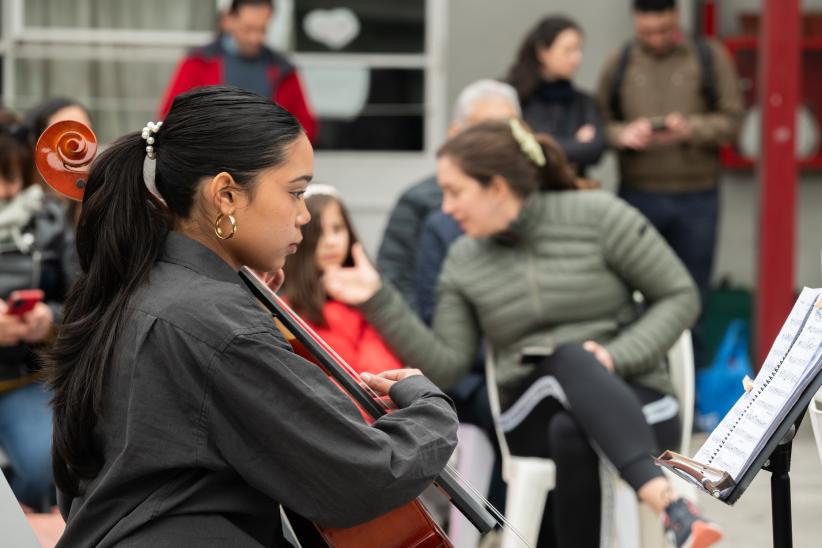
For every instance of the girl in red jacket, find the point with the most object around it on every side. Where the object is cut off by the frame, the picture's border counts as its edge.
(329, 241)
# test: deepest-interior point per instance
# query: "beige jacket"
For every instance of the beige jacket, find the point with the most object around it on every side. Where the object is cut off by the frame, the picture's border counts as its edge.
(659, 85)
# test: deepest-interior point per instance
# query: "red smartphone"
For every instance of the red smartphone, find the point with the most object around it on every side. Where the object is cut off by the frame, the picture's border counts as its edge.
(23, 300)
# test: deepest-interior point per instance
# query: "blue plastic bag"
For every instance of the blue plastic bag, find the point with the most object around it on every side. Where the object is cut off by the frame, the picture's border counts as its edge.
(720, 385)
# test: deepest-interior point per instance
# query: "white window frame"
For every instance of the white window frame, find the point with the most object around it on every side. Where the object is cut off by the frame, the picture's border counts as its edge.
(21, 42)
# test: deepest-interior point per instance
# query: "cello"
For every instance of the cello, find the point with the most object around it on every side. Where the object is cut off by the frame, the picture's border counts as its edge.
(63, 156)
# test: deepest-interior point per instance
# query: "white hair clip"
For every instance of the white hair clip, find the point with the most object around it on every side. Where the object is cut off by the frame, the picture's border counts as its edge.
(149, 166)
(149, 131)
(527, 142)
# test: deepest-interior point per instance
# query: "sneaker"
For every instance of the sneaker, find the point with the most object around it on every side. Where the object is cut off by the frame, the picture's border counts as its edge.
(686, 528)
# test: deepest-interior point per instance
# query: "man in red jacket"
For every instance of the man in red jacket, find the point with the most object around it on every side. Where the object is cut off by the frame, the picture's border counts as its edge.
(239, 57)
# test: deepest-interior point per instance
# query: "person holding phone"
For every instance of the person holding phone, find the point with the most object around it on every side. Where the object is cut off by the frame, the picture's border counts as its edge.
(33, 282)
(669, 103)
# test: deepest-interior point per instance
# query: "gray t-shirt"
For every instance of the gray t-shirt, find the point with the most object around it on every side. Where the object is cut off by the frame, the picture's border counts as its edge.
(210, 421)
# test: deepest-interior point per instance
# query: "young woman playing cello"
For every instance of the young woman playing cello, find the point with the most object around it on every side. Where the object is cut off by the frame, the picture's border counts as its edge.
(181, 416)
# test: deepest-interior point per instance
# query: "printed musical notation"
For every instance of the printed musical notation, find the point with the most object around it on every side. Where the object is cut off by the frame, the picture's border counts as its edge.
(794, 359)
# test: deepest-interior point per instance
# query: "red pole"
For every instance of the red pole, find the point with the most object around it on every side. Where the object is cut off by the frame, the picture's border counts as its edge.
(779, 62)
(709, 18)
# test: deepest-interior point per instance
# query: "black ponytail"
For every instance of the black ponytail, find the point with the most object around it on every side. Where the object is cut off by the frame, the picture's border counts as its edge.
(121, 233)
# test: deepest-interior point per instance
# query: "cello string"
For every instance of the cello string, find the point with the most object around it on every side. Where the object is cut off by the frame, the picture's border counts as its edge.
(498, 516)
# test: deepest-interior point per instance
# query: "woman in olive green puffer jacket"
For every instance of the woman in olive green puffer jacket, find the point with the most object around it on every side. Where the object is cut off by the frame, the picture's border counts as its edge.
(548, 272)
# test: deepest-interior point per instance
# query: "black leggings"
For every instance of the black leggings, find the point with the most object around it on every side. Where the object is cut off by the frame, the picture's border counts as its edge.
(569, 403)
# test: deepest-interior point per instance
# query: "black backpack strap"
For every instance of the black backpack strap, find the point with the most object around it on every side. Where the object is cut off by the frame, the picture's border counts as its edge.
(615, 96)
(707, 84)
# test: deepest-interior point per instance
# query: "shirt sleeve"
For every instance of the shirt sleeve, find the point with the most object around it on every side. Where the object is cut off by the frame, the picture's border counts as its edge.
(291, 433)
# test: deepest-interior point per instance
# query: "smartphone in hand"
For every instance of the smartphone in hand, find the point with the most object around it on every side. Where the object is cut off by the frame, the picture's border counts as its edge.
(658, 124)
(23, 300)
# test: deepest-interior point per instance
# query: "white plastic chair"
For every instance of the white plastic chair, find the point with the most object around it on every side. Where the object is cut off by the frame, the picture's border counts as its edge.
(815, 412)
(475, 462)
(639, 516)
(15, 528)
(530, 479)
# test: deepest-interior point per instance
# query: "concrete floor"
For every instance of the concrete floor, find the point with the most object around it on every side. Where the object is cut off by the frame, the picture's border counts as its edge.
(748, 523)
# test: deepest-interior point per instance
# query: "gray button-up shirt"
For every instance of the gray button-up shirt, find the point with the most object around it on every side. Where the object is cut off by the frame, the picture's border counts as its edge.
(210, 420)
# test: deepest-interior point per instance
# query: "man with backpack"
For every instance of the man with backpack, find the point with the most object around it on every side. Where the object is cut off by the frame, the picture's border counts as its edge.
(669, 102)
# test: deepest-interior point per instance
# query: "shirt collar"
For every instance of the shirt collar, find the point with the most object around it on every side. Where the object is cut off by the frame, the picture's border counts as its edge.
(182, 250)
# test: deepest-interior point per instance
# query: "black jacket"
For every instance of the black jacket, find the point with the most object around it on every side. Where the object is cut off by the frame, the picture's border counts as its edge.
(397, 255)
(46, 264)
(559, 109)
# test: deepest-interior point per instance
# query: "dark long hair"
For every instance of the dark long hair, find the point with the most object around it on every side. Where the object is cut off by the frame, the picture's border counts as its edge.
(302, 287)
(525, 73)
(120, 235)
(488, 149)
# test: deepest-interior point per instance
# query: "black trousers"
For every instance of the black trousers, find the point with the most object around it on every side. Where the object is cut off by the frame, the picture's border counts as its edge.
(567, 407)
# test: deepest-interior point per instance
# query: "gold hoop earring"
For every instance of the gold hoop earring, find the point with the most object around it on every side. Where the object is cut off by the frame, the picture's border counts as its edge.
(218, 229)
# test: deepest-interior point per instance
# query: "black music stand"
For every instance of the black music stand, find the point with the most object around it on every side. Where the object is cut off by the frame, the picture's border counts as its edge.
(775, 457)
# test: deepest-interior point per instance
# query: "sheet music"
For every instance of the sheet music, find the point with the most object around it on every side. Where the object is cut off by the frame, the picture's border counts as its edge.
(794, 356)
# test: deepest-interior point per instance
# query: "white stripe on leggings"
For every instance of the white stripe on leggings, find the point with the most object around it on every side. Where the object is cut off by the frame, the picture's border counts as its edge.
(543, 387)
(655, 412)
